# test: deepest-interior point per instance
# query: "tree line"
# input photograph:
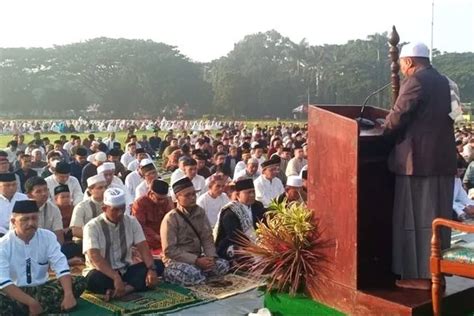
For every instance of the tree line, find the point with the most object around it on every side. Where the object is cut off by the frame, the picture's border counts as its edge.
(266, 74)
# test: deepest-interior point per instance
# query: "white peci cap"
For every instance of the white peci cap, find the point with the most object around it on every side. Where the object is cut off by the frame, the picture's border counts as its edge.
(105, 167)
(95, 179)
(145, 162)
(98, 156)
(415, 49)
(114, 197)
(294, 181)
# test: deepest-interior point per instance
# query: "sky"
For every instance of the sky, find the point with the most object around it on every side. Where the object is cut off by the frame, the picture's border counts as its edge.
(208, 29)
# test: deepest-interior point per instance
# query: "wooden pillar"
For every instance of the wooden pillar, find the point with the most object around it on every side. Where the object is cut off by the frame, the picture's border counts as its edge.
(393, 40)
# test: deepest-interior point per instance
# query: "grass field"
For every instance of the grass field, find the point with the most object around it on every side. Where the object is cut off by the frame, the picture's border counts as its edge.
(121, 136)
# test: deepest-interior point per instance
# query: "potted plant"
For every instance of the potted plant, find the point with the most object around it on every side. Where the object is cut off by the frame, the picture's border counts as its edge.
(289, 250)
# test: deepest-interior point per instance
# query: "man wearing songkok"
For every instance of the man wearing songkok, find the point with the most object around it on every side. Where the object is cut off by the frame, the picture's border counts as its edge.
(26, 253)
(250, 171)
(149, 174)
(134, 178)
(90, 208)
(95, 160)
(107, 244)
(293, 189)
(62, 199)
(5, 168)
(296, 164)
(186, 237)
(214, 199)
(150, 210)
(267, 185)
(140, 154)
(8, 197)
(237, 218)
(79, 162)
(62, 175)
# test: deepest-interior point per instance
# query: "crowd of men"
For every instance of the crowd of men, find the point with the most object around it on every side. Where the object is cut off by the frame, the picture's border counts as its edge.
(131, 217)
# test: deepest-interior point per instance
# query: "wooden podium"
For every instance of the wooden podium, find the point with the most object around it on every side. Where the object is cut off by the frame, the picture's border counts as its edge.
(350, 190)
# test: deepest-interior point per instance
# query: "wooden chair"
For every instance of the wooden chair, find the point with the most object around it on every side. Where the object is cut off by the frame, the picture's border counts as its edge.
(456, 260)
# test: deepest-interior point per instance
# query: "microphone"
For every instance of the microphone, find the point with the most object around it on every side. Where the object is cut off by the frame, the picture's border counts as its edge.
(363, 122)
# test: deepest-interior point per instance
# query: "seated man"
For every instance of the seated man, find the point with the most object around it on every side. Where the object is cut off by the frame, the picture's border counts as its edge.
(463, 206)
(8, 197)
(62, 175)
(267, 185)
(27, 248)
(236, 217)
(150, 210)
(107, 244)
(293, 190)
(89, 208)
(250, 171)
(186, 238)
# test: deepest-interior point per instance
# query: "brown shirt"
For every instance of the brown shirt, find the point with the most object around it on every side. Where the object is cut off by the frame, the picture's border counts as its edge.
(179, 241)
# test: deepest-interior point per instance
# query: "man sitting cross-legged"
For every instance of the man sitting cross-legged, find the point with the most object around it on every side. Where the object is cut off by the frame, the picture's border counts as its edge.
(107, 244)
(186, 238)
(26, 253)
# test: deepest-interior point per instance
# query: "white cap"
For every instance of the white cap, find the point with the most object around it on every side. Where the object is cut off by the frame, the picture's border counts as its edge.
(415, 49)
(105, 167)
(294, 181)
(114, 197)
(95, 179)
(54, 162)
(253, 144)
(145, 162)
(98, 156)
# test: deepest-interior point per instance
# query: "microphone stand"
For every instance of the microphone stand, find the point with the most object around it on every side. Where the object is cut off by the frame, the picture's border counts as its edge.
(363, 122)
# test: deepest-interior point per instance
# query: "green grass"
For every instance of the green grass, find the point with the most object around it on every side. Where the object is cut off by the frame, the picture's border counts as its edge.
(121, 136)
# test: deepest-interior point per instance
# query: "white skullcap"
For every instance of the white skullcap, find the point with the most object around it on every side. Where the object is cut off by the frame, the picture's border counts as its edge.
(294, 181)
(98, 156)
(145, 162)
(35, 150)
(105, 167)
(114, 197)
(415, 49)
(253, 144)
(252, 161)
(95, 179)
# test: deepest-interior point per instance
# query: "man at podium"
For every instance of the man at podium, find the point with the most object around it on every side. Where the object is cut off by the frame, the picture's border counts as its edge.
(424, 162)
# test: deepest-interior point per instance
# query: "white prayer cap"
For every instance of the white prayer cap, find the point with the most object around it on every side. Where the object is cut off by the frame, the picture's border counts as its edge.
(105, 167)
(415, 49)
(145, 162)
(95, 179)
(98, 156)
(471, 193)
(252, 161)
(254, 144)
(114, 197)
(294, 181)
(33, 152)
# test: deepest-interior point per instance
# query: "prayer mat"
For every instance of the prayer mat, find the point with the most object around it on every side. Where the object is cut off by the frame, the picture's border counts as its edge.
(225, 286)
(165, 298)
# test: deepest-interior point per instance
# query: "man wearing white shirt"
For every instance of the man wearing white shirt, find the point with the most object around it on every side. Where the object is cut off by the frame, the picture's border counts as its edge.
(296, 164)
(8, 197)
(129, 156)
(190, 171)
(140, 154)
(463, 206)
(110, 140)
(250, 171)
(241, 165)
(62, 175)
(149, 174)
(179, 173)
(267, 185)
(134, 178)
(26, 253)
(213, 200)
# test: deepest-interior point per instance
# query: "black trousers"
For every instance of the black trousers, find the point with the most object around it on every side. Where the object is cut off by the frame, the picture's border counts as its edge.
(72, 249)
(135, 276)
